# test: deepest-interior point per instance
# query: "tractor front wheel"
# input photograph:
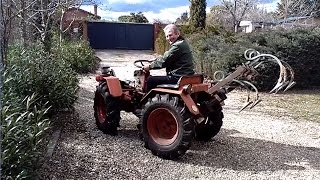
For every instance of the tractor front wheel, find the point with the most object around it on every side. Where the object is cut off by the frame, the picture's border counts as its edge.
(167, 127)
(106, 110)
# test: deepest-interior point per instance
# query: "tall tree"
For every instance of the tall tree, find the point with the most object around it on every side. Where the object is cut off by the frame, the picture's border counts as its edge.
(197, 18)
(34, 16)
(219, 16)
(298, 8)
(183, 19)
(21, 14)
(7, 14)
(238, 9)
(134, 17)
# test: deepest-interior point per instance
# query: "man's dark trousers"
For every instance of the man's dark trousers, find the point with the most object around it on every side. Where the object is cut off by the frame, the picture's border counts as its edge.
(154, 81)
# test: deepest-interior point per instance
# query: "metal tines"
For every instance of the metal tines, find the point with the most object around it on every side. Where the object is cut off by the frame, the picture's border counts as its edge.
(255, 59)
(286, 74)
(250, 103)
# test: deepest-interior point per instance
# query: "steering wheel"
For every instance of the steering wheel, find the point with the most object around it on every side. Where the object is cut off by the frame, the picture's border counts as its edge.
(143, 62)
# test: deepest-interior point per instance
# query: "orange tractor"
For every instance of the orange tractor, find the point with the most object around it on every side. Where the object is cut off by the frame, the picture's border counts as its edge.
(173, 115)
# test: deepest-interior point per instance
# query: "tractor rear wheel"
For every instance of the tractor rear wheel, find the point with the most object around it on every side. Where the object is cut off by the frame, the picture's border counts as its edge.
(106, 110)
(210, 126)
(166, 126)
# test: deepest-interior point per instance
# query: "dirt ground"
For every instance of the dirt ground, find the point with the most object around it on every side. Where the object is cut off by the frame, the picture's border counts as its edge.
(253, 144)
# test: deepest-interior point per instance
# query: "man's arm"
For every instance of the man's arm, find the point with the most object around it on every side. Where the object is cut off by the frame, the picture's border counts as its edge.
(165, 60)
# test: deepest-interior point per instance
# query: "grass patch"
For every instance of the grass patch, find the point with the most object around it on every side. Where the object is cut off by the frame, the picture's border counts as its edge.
(299, 104)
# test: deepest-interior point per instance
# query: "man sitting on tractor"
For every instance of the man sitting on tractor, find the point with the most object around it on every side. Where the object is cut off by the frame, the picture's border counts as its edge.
(178, 60)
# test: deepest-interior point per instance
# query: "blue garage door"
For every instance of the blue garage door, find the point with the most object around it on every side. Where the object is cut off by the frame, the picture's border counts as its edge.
(107, 35)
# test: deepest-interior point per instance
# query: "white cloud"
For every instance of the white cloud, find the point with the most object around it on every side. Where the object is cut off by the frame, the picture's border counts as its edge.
(113, 16)
(104, 14)
(89, 8)
(127, 1)
(167, 14)
(269, 7)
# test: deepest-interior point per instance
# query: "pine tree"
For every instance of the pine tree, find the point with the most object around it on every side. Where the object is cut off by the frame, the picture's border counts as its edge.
(296, 8)
(197, 14)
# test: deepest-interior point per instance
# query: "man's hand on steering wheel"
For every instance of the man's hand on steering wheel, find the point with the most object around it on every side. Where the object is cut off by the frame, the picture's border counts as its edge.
(144, 64)
(146, 67)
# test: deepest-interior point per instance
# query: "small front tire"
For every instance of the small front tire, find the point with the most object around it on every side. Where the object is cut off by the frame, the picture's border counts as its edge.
(106, 111)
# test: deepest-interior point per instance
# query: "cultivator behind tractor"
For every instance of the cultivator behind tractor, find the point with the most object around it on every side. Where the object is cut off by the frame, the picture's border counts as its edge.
(248, 71)
(172, 115)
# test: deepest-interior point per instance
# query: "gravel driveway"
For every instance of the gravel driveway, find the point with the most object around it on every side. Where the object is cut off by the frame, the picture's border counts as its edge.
(251, 144)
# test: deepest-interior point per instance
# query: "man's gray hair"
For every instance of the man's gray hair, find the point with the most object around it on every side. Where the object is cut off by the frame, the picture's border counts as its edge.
(171, 27)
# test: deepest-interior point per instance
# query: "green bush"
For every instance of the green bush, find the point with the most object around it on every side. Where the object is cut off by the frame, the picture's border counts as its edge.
(217, 53)
(161, 44)
(23, 127)
(32, 70)
(185, 30)
(78, 54)
(300, 48)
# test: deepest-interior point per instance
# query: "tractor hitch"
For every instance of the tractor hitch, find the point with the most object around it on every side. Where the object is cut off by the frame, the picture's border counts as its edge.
(213, 104)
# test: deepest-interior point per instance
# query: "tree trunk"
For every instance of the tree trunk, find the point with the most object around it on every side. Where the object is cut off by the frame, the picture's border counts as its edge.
(46, 26)
(1, 55)
(61, 26)
(23, 25)
(6, 14)
(2, 38)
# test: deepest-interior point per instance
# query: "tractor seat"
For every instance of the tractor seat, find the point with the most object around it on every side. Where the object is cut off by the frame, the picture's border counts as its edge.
(184, 80)
(168, 86)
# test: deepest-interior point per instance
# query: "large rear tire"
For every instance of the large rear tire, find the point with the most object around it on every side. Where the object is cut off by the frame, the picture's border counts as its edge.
(106, 110)
(210, 127)
(167, 127)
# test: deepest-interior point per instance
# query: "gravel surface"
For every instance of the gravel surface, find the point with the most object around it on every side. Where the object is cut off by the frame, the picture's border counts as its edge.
(251, 145)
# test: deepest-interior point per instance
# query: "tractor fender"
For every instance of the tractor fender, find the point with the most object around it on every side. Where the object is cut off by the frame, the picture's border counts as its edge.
(185, 97)
(113, 85)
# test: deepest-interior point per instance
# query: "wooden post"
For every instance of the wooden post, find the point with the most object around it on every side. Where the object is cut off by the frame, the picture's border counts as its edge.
(85, 30)
(156, 30)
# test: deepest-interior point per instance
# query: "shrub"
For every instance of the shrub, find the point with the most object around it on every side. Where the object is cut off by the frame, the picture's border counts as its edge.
(23, 129)
(32, 70)
(78, 54)
(33, 81)
(217, 53)
(161, 44)
(300, 48)
(185, 30)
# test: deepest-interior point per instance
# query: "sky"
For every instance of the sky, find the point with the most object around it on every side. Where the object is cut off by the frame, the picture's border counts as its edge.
(164, 10)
